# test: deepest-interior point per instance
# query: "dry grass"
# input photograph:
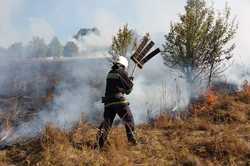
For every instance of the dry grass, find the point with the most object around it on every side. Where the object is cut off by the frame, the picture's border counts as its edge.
(217, 132)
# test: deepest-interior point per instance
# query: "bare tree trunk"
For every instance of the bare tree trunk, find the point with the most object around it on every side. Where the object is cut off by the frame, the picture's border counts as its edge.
(210, 75)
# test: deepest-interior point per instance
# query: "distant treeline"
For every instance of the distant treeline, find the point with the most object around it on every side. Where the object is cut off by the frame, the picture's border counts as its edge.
(37, 48)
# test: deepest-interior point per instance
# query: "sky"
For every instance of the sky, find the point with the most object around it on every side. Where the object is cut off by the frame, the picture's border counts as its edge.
(20, 20)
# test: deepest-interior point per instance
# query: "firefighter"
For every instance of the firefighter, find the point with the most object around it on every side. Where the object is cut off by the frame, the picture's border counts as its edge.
(117, 85)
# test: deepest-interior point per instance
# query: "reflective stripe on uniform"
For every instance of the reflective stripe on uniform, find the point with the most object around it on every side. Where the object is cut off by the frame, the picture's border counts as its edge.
(113, 76)
(117, 102)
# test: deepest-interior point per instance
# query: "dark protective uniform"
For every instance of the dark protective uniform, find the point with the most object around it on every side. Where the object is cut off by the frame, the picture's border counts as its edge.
(118, 83)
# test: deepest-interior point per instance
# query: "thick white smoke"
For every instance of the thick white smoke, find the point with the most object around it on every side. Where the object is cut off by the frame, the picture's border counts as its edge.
(82, 84)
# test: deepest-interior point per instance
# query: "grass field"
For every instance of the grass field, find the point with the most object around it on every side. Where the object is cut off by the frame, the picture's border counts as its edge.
(216, 132)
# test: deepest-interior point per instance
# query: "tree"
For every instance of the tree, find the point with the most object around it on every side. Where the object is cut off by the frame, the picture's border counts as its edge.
(200, 44)
(70, 49)
(123, 43)
(37, 48)
(55, 48)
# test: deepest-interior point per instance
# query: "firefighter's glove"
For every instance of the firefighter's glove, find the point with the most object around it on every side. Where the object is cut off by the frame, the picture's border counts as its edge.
(131, 78)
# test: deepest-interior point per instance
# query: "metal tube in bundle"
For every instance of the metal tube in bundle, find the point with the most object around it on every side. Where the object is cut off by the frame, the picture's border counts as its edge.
(145, 51)
(141, 46)
(139, 49)
(149, 56)
(138, 59)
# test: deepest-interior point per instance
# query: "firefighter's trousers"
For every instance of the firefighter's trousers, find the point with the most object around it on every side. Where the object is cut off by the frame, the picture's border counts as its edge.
(110, 112)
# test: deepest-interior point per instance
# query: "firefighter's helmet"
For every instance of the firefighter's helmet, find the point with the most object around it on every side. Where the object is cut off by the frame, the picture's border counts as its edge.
(123, 61)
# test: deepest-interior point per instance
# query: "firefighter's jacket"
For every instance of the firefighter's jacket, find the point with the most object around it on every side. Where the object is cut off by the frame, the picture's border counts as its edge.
(117, 84)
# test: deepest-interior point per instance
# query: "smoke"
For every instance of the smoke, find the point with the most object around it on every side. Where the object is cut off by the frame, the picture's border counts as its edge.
(80, 84)
(93, 45)
(77, 94)
(158, 89)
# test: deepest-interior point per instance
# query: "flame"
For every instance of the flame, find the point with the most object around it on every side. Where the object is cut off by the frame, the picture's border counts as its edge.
(211, 97)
